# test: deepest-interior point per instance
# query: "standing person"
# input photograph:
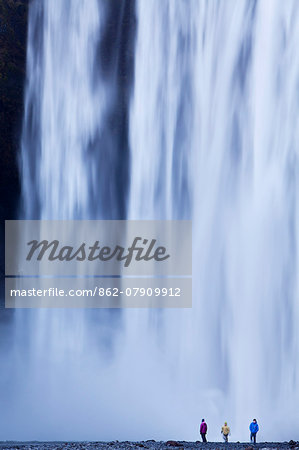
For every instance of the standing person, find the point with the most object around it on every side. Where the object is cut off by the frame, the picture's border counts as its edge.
(253, 427)
(225, 430)
(203, 430)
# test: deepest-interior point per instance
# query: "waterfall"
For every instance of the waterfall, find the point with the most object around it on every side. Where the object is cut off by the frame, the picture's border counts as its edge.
(206, 129)
(63, 110)
(71, 161)
(214, 136)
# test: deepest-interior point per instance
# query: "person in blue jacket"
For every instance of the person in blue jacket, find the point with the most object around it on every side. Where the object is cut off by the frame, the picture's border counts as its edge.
(253, 427)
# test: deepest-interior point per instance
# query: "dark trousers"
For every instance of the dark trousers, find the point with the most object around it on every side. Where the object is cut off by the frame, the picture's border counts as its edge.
(203, 436)
(253, 437)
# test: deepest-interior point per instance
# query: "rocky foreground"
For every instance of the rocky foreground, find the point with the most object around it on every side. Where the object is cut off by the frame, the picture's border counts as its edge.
(146, 445)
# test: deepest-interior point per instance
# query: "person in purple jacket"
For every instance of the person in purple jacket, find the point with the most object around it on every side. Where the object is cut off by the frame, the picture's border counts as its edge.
(203, 430)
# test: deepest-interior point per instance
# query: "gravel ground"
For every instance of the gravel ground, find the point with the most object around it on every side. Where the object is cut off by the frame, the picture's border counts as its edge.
(145, 444)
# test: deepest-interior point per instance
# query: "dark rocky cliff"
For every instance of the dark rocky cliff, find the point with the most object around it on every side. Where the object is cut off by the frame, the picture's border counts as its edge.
(13, 33)
(13, 29)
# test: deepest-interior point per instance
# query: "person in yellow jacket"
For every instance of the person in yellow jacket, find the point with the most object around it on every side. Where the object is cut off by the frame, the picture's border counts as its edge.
(225, 430)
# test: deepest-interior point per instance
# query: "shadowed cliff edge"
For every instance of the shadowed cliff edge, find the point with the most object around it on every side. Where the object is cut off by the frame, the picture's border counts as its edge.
(13, 31)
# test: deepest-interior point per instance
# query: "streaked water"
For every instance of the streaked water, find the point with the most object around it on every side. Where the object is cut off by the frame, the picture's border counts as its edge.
(71, 165)
(213, 134)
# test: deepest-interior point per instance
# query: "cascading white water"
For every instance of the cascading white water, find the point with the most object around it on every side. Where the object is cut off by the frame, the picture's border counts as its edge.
(213, 137)
(65, 103)
(64, 140)
(215, 110)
